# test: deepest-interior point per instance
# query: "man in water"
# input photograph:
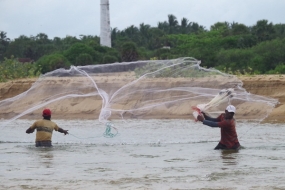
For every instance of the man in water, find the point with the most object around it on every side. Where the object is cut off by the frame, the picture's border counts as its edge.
(227, 124)
(45, 128)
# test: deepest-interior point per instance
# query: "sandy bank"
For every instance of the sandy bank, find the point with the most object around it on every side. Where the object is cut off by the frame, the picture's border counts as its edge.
(89, 108)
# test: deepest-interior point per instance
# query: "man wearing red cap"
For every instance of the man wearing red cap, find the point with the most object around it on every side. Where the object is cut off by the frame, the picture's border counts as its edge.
(45, 128)
(227, 124)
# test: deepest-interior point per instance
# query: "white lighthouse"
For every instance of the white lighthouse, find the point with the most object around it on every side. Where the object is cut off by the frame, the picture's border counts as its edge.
(105, 31)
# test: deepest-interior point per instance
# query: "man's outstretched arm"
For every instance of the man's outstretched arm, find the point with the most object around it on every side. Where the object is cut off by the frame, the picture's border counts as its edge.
(63, 131)
(30, 130)
(210, 118)
(207, 122)
(210, 123)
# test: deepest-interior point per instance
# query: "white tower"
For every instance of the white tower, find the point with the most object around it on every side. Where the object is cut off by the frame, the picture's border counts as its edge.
(105, 33)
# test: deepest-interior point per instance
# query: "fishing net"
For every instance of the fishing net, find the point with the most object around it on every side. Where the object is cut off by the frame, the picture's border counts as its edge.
(155, 89)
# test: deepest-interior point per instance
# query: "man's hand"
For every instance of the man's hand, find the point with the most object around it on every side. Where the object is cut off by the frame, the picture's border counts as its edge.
(29, 130)
(200, 118)
(65, 132)
(203, 113)
(62, 131)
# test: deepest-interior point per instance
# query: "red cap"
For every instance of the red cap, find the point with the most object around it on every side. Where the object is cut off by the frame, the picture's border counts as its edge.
(46, 112)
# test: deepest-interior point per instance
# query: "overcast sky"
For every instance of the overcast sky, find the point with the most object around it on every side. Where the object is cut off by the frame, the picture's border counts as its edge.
(59, 18)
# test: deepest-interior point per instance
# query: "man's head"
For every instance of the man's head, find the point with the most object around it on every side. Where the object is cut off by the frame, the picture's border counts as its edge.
(47, 113)
(231, 109)
(230, 112)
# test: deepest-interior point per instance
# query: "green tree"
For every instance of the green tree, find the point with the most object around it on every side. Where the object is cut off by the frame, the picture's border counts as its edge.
(246, 41)
(239, 29)
(224, 27)
(155, 39)
(163, 26)
(32, 47)
(272, 54)
(144, 31)
(4, 43)
(172, 23)
(263, 30)
(84, 59)
(51, 62)
(235, 61)
(279, 31)
(129, 52)
(114, 35)
(194, 27)
(17, 47)
(68, 41)
(131, 32)
(42, 38)
(76, 49)
(109, 59)
(89, 39)
(184, 29)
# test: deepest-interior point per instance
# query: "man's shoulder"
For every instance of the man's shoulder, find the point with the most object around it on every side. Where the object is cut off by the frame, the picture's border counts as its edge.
(221, 116)
(45, 121)
(38, 121)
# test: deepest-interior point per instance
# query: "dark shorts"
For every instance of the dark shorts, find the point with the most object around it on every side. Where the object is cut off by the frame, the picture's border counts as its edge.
(43, 144)
(224, 147)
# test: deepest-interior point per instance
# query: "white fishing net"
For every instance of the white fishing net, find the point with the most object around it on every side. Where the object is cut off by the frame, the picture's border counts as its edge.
(160, 89)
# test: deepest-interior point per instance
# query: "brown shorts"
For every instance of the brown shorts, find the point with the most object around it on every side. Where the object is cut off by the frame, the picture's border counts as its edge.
(43, 144)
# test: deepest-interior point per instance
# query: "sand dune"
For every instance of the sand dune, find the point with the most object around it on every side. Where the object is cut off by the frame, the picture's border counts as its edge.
(89, 107)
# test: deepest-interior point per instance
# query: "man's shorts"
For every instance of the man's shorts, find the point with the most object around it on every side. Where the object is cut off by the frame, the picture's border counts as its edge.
(43, 144)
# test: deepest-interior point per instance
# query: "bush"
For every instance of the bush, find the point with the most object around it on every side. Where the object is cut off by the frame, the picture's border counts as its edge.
(51, 62)
(109, 59)
(279, 69)
(75, 50)
(84, 59)
(129, 52)
(13, 69)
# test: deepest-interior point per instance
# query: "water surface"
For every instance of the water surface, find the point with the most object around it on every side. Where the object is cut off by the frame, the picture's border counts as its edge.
(146, 154)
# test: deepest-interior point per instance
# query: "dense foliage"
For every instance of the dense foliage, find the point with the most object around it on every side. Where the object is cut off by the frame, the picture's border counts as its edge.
(12, 69)
(230, 47)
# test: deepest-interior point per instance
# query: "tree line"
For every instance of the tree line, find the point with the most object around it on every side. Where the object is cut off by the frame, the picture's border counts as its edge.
(230, 47)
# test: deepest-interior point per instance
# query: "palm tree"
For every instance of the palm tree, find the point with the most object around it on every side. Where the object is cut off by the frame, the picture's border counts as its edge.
(263, 30)
(194, 27)
(144, 30)
(42, 38)
(183, 26)
(155, 40)
(164, 26)
(131, 32)
(238, 29)
(129, 52)
(4, 43)
(114, 33)
(173, 23)
(279, 30)
(144, 34)
(220, 26)
(3, 37)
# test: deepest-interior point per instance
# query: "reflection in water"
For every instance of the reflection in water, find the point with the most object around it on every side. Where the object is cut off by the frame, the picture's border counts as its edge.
(44, 155)
(229, 157)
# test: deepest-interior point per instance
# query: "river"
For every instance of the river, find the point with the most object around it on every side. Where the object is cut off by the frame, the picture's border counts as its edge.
(145, 154)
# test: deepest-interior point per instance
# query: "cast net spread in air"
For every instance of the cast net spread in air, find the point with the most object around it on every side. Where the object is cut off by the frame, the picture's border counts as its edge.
(160, 89)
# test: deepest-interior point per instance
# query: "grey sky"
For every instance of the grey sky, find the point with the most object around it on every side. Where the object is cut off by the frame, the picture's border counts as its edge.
(58, 18)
